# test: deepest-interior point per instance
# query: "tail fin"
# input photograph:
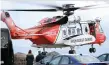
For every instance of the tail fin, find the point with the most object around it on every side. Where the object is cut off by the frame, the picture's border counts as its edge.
(5, 17)
(15, 31)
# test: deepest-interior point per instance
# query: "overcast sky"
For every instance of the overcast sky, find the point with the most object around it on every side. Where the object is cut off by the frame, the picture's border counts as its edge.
(29, 19)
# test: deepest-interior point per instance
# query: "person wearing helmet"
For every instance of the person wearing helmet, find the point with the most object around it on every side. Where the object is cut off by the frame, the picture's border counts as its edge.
(98, 19)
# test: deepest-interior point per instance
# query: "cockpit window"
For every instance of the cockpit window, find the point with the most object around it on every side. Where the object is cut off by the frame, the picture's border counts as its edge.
(100, 29)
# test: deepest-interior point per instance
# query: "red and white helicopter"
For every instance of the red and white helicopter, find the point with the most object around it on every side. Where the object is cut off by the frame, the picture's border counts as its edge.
(58, 31)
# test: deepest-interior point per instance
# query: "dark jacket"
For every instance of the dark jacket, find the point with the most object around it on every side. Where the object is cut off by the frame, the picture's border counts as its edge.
(39, 57)
(30, 59)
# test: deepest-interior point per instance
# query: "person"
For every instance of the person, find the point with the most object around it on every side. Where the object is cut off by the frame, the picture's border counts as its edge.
(40, 56)
(29, 58)
(97, 19)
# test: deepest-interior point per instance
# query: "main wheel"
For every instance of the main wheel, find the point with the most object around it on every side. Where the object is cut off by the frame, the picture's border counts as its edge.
(92, 50)
(71, 51)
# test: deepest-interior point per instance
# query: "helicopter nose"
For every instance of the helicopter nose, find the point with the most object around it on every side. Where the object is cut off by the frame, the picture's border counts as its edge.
(101, 38)
(104, 38)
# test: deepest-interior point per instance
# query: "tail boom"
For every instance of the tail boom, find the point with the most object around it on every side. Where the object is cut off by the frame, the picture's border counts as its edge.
(15, 31)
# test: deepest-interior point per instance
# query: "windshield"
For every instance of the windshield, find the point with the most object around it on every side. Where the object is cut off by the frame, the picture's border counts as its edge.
(100, 29)
(86, 58)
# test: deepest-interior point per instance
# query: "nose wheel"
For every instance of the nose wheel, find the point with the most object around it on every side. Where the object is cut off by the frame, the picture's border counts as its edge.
(92, 50)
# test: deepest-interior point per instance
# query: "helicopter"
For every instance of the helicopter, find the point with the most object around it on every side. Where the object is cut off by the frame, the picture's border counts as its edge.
(58, 31)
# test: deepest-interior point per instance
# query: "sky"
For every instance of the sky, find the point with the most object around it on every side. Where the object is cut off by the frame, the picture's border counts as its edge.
(29, 19)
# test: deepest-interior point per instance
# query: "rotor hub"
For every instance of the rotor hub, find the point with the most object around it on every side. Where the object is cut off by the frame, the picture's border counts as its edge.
(68, 9)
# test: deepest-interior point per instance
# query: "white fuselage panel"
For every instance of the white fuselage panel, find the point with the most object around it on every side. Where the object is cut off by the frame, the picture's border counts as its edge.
(73, 33)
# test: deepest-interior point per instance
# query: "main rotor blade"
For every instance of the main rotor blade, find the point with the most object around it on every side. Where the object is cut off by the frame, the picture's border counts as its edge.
(31, 10)
(87, 8)
(55, 6)
(70, 9)
(52, 6)
(90, 5)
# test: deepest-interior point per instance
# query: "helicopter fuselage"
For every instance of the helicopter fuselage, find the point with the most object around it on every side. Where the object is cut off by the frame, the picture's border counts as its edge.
(52, 32)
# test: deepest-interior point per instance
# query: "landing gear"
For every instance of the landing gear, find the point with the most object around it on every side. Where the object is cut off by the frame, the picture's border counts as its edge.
(72, 51)
(43, 49)
(92, 50)
(44, 52)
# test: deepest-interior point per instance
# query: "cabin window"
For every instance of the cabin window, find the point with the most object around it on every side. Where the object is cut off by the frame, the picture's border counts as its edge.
(69, 31)
(73, 31)
(64, 32)
(78, 31)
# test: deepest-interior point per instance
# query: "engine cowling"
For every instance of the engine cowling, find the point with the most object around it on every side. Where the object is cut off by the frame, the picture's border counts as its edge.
(55, 20)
